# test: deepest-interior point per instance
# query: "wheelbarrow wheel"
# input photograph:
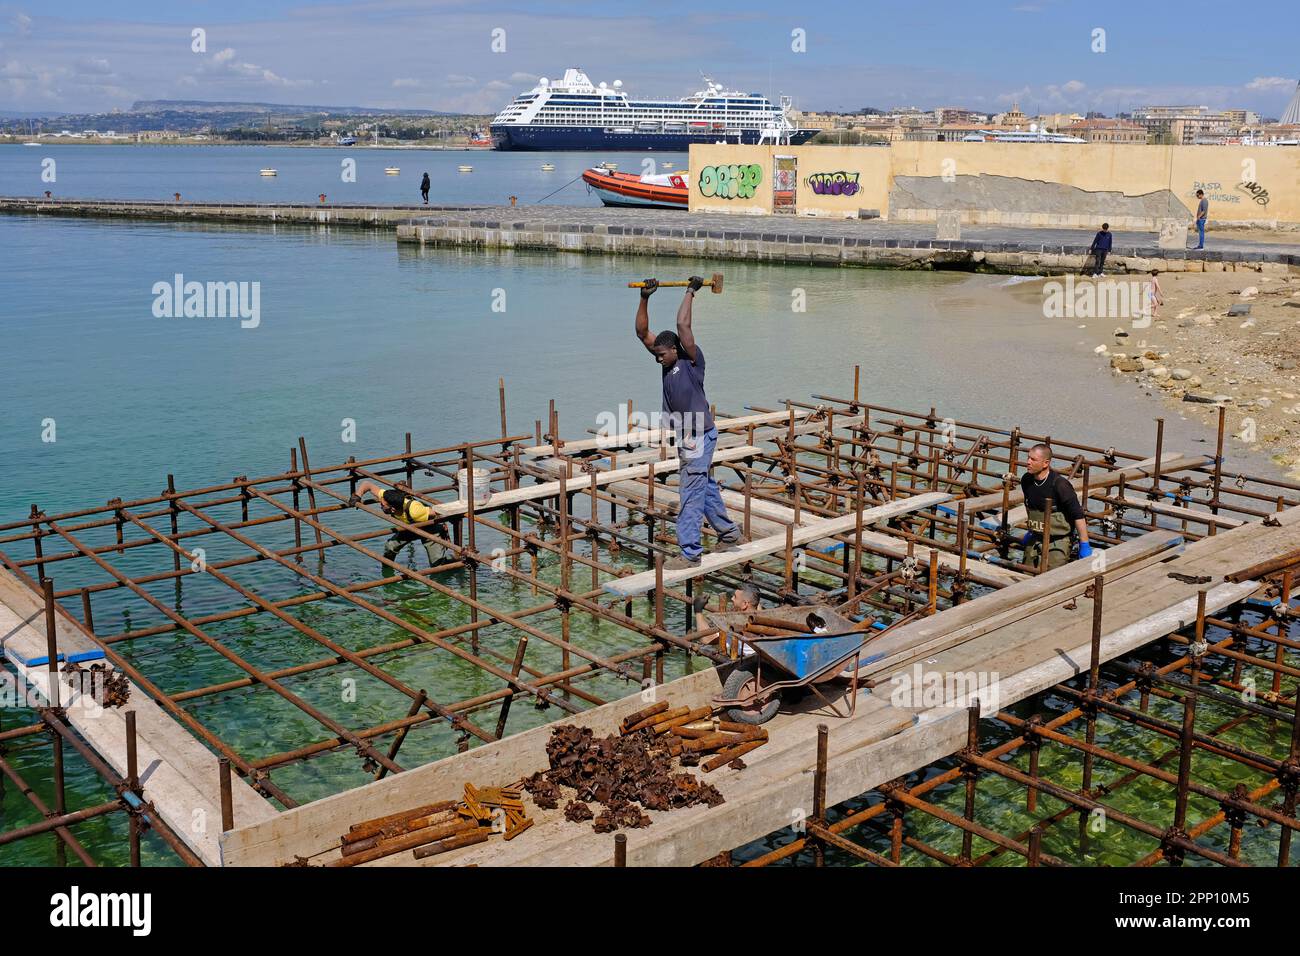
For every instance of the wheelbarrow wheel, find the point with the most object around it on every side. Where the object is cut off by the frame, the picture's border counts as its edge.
(742, 679)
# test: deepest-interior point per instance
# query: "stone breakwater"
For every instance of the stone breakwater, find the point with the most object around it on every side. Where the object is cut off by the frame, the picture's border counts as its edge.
(872, 243)
(1021, 251)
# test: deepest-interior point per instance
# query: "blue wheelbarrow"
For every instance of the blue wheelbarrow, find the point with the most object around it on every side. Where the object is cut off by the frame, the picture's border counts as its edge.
(830, 650)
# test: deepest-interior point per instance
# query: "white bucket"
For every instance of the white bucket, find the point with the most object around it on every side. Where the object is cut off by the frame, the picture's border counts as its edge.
(482, 485)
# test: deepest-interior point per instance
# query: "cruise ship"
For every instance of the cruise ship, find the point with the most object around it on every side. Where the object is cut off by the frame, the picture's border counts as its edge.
(574, 113)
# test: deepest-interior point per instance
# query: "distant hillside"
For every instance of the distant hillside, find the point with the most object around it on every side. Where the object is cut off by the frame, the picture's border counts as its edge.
(202, 106)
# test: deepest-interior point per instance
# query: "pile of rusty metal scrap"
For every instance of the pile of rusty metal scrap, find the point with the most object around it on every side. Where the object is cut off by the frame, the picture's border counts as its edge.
(106, 686)
(692, 733)
(437, 827)
(633, 771)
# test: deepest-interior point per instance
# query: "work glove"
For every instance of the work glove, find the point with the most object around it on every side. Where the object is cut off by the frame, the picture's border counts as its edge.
(1085, 549)
(1028, 538)
(695, 283)
(650, 286)
(354, 500)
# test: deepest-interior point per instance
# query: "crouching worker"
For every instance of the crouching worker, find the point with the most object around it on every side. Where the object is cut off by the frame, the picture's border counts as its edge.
(407, 509)
(1040, 482)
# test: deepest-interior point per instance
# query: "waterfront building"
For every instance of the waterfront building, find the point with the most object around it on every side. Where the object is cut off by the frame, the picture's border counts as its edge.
(1108, 131)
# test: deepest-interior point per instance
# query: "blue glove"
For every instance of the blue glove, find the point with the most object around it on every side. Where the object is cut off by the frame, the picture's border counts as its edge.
(1085, 549)
(1028, 538)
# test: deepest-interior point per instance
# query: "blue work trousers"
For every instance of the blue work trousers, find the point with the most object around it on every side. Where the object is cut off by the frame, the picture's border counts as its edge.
(700, 498)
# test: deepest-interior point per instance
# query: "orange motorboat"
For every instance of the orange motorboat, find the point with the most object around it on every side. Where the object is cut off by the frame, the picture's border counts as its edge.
(659, 191)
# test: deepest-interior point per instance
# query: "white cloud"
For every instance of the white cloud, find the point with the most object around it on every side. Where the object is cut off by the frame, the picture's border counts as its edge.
(521, 77)
(224, 64)
(1073, 86)
(21, 22)
(460, 80)
(1271, 83)
(405, 83)
(94, 65)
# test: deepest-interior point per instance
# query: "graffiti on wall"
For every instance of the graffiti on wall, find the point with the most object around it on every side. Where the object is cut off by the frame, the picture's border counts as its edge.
(1214, 192)
(1257, 192)
(834, 184)
(736, 181)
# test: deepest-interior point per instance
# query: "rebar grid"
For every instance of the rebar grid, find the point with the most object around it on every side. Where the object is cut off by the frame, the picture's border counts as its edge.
(1182, 682)
(829, 459)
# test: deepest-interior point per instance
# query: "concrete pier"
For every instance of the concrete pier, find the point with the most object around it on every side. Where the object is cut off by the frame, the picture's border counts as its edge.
(1018, 250)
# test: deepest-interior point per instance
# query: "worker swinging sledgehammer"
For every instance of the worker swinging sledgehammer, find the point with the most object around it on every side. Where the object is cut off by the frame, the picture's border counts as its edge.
(686, 412)
(407, 509)
(1040, 482)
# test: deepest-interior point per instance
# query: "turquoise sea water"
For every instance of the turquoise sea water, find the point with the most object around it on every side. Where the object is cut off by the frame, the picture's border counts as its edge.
(396, 339)
(209, 173)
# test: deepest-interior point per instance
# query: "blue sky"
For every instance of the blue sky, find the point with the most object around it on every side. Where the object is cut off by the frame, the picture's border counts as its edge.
(74, 55)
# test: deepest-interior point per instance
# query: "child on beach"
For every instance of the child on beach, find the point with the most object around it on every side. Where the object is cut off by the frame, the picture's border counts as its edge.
(1154, 299)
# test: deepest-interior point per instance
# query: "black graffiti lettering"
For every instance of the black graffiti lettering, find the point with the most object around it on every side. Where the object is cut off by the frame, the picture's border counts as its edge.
(1257, 192)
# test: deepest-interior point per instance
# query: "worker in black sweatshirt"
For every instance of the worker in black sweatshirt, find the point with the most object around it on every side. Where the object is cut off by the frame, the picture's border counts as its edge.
(1039, 483)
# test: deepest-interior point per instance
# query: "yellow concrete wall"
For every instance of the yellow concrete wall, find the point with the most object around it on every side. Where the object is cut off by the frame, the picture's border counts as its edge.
(731, 168)
(860, 173)
(832, 180)
(1224, 171)
(1132, 170)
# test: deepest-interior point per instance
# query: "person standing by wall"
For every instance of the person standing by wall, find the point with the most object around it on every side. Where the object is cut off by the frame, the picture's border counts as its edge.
(1101, 245)
(424, 189)
(1202, 214)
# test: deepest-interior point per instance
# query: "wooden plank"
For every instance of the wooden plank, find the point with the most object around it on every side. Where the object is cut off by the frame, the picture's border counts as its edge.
(579, 482)
(667, 500)
(688, 834)
(653, 435)
(641, 583)
(725, 440)
(178, 773)
(1198, 518)
(314, 829)
(928, 636)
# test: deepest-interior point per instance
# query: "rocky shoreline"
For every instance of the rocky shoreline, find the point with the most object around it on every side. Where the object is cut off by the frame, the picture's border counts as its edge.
(1229, 340)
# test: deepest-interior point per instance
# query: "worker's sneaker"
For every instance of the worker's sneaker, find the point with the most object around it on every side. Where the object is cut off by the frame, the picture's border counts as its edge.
(681, 563)
(730, 542)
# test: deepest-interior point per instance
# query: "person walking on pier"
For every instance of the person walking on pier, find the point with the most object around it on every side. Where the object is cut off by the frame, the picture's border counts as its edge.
(407, 509)
(1040, 482)
(1100, 248)
(424, 189)
(1202, 214)
(686, 411)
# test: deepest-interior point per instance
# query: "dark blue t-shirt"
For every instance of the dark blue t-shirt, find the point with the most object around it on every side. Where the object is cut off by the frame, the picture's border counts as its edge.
(684, 401)
(1102, 241)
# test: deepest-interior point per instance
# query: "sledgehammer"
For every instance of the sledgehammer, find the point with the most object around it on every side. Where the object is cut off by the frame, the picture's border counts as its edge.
(715, 284)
